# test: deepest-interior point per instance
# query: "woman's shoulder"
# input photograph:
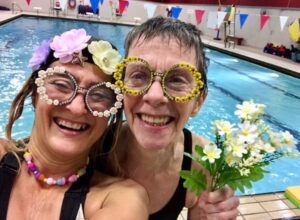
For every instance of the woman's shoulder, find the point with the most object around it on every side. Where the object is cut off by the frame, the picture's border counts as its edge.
(115, 197)
(199, 140)
(105, 182)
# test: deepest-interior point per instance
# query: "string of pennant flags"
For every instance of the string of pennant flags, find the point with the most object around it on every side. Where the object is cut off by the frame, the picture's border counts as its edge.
(95, 4)
(214, 19)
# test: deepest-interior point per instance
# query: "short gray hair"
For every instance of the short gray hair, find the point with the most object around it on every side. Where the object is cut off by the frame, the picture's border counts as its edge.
(187, 35)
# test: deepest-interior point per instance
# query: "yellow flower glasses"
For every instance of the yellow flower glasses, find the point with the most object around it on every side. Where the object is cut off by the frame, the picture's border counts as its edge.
(181, 83)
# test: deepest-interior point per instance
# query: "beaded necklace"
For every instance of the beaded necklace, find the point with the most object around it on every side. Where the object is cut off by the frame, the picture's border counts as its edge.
(31, 167)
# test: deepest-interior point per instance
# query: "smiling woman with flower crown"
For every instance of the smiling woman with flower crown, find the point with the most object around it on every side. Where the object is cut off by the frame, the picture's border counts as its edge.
(50, 174)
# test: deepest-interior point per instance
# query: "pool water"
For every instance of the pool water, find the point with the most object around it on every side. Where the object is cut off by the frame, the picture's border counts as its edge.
(230, 80)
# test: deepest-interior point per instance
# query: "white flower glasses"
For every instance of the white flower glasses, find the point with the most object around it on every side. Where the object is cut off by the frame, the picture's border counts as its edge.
(57, 86)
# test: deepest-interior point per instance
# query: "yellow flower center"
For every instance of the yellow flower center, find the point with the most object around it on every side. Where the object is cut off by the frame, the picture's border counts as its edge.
(245, 132)
(211, 154)
(236, 148)
(246, 110)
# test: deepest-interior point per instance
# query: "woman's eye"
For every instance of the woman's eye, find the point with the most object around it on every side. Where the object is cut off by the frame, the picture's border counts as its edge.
(101, 96)
(176, 79)
(62, 85)
(138, 76)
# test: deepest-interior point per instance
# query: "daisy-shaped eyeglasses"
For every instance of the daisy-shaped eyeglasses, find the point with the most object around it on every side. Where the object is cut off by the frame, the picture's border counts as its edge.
(57, 86)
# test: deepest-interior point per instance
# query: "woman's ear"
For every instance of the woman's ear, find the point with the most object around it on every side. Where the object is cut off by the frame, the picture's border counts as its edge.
(198, 103)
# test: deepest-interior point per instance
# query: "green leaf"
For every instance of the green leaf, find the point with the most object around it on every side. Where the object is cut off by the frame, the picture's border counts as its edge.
(233, 178)
(195, 180)
(199, 149)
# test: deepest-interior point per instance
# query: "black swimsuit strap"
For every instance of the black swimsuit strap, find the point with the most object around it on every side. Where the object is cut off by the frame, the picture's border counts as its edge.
(9, 167)
(76, 195)
(73, 197)
(173, 208)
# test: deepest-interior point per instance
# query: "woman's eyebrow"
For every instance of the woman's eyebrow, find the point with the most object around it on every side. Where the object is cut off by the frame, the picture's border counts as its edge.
(78, 80)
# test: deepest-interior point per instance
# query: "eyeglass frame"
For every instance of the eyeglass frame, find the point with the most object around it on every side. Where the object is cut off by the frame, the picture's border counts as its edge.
(197, 76)
(41, 90)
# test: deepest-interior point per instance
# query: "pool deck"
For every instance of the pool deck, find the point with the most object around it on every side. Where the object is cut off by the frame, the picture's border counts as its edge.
(254, 207)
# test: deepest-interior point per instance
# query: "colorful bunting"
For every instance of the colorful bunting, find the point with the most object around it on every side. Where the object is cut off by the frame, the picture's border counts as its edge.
(243, 18)
(212, 19)
(63, 4)
(228, 9)
(122, 5)
(101, 2)
(283, 20)
(176, 12)
(150, 9)
(232, 14)
(263, 20)
(28, 2)
(294, 31)
(199, 15)
(221, 15)
(95, 5)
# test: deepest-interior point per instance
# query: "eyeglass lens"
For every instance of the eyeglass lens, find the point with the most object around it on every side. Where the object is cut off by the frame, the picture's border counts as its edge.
(176, 82)
(63, 87)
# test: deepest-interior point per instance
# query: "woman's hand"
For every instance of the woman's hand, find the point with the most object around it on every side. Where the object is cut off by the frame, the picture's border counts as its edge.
(218, 205)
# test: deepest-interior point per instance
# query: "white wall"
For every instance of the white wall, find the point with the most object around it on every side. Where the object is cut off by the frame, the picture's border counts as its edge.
(251, 32)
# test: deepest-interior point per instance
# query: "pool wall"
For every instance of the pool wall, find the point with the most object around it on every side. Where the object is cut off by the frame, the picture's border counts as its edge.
(136, 13)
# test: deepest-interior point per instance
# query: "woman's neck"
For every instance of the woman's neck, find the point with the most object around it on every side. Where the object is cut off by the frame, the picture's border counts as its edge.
(137, 157)
(53, 165)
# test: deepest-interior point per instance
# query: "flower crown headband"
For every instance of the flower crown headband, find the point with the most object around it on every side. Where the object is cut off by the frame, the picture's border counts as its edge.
(68, 48)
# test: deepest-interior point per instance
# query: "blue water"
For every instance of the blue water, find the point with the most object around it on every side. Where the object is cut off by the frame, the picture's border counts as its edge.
(231, 80)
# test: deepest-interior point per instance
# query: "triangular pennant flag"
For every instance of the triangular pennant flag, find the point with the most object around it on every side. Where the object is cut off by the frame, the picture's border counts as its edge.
(228, 8)
(63, 4)
(150, 9)
(243, 18)
(212, 20)
(122, 5)
(28, 2)
(176, 12)
(232, 14)
(101, 2)
(294, 31)
(95, 5)
(221, 16)
(199, 15)
(110, 3)
(283, 20)
(263, 20)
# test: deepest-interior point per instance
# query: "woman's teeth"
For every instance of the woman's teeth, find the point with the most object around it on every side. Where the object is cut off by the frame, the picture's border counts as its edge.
(156, 121)
(71, 125)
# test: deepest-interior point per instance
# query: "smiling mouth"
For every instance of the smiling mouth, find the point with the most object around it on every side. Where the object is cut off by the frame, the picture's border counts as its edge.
(155, 120)
(72, 126)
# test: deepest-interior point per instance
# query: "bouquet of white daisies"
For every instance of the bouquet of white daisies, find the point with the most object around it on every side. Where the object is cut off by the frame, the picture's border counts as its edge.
(239, 153)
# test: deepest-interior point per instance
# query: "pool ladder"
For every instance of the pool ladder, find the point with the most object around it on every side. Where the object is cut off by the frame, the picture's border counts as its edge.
(15, 7)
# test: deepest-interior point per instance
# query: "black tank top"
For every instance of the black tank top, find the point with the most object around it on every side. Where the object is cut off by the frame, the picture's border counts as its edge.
(73, 198)
(173, 208)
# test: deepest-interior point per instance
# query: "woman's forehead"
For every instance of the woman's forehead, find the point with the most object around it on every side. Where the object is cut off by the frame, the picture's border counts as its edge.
(160, 49)
(88, 73)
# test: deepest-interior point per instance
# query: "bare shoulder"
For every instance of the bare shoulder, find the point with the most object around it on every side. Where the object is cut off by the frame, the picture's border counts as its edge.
(116, 198)
(199, 140)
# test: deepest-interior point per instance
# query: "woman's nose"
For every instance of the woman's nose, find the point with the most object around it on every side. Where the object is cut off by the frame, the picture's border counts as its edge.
(77, 106)
(155, 94)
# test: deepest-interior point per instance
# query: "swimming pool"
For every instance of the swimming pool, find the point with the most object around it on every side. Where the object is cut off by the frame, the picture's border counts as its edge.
(230, 80)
